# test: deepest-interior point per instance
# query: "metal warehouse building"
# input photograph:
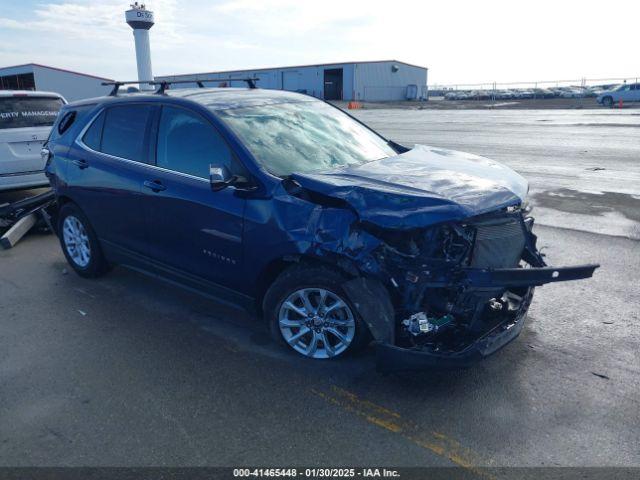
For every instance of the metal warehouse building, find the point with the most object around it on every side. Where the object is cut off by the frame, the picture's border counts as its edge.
(384, 80)
(71, 85)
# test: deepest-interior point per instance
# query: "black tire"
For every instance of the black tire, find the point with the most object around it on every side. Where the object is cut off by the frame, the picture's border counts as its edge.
(607, 102)
(96, 265)
(302, 276)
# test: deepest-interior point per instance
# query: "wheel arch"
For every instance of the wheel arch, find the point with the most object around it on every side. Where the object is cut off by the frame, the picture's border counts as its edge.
(371, 297)
(54, 210)
(274, 268)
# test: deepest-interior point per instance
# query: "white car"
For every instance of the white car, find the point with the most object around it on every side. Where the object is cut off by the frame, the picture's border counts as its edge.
(572, 92)
(25, 122)
(628, 92)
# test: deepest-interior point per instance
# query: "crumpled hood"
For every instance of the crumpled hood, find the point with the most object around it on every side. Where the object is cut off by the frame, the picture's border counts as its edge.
(421, 187)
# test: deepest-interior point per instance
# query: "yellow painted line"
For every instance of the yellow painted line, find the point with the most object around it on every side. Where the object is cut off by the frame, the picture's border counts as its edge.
(435, 442)
(385, 424)
(354, 398)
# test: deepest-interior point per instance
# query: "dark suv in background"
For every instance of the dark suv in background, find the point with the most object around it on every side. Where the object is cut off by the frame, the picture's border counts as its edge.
(282, 202)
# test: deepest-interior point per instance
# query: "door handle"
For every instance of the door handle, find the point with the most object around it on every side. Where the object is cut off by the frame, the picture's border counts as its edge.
(81, 163)
(155, 185)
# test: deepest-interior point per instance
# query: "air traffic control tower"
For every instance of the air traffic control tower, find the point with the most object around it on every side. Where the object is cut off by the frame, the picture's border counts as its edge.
(141, 20)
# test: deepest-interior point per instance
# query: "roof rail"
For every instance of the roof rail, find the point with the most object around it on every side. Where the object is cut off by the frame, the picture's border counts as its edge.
(251, 82)
(164, 84)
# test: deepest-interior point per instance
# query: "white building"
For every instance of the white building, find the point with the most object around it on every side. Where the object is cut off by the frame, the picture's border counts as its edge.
(384, 80)
(71, 85)
(387, 80)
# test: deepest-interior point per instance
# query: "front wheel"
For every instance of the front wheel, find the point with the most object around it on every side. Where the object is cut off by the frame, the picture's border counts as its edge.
(607, 102)
(309, 312)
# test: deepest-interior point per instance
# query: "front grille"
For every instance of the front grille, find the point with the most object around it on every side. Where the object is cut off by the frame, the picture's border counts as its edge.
(498, 245)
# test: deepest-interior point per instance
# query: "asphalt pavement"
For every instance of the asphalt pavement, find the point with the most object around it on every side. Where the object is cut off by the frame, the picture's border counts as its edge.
(128, 371)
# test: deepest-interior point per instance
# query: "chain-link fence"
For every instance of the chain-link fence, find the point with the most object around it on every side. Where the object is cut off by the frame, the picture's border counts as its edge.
(576, 91)
(393, 93)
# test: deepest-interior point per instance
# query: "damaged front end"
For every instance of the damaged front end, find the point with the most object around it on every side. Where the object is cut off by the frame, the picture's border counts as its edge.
(441, 251)
(460, 290)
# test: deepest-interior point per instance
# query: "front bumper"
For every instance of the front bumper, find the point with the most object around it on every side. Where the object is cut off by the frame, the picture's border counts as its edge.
(390, 358)
(526, 277)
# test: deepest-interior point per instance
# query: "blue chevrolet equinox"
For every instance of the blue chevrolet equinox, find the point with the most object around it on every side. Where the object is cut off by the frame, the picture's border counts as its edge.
(288, 206)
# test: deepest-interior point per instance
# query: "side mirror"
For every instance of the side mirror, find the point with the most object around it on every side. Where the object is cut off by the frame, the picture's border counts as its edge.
(220, 177)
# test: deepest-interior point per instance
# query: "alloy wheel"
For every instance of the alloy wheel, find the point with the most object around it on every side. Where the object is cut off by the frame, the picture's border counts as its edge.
(317, 323)
(76, 241)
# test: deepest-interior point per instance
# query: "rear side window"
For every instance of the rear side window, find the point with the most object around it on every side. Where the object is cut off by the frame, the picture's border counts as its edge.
(20, 112)
(68, 118)
(93, 137)
(125, 131)
(188, 143)
(66, 121)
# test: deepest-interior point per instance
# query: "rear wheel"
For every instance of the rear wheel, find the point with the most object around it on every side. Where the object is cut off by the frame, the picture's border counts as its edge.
(607, 102)
(79, 243)
(309, 312)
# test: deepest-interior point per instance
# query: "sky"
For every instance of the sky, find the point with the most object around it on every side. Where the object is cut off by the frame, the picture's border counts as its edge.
(461, 42)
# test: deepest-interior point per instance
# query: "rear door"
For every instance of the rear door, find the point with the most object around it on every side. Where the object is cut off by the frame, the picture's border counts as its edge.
(107, 166)
(192, 230)
(25, 123)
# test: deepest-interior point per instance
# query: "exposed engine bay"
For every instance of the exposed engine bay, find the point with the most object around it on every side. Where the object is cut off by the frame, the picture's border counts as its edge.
(440, 311)
(457, 284)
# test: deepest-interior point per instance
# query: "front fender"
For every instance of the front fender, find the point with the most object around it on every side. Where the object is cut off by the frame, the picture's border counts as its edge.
(373, 303)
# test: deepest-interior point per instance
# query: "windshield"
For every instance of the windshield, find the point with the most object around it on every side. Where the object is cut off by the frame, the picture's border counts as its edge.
(304, 137)
(18, 112)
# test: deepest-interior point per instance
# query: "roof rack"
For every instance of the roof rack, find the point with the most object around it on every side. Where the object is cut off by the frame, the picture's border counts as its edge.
(117, 85)
(164, 84)
(251, 82)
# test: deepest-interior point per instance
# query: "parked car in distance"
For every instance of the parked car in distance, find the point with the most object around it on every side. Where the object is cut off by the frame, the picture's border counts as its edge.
(457, 95)
(526, 93)
(628, 92)
(25, 122)
(572, 92)
(543, 93)
(592, 91)
(503, 95)
(286, 204)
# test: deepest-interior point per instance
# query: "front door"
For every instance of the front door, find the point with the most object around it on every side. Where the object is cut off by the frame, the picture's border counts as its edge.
(333, 84)
(194, 233)
(625, 94)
